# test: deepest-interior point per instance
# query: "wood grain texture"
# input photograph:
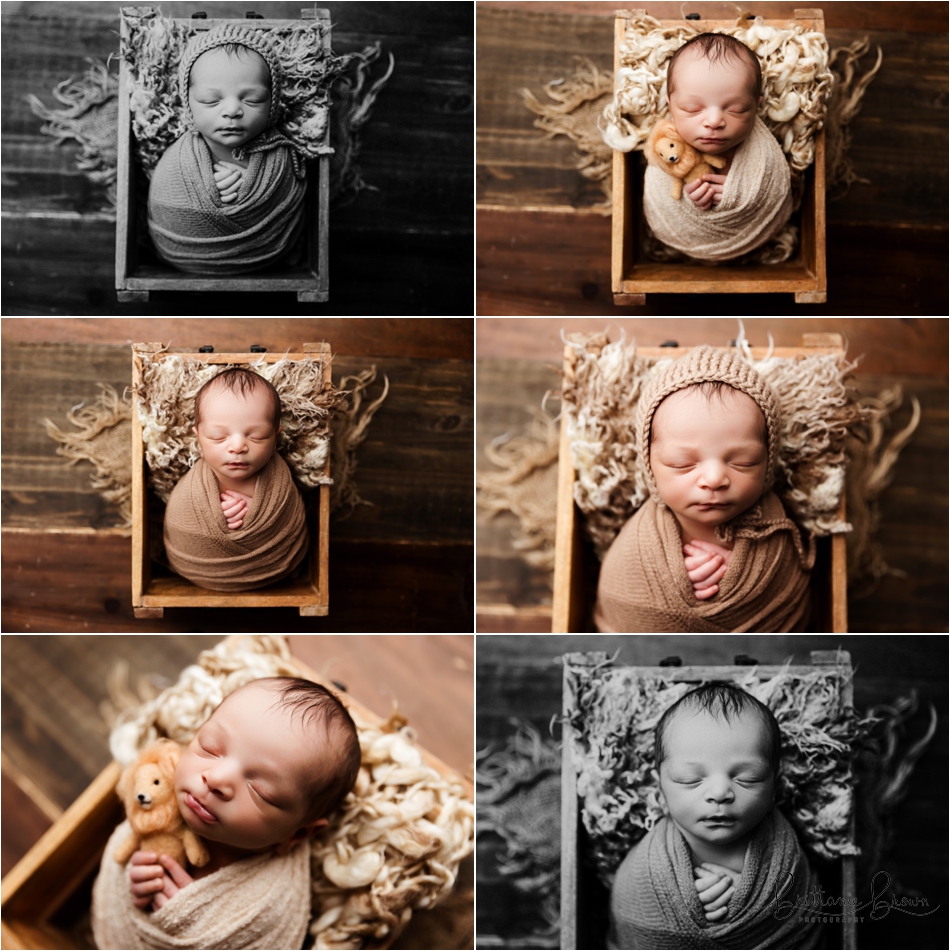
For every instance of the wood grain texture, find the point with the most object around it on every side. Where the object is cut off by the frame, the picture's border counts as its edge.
(529, 45)
(521, 677)
(415, 465)
(532, 263)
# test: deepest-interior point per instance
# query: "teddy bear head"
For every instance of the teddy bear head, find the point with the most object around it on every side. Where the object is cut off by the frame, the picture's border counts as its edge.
(147, 788)
(666, 147)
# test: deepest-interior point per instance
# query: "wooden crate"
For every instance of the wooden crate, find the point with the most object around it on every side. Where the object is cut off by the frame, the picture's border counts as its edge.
(575, 564)
(576, 914)
(49, 875)
(153, 592)
(138, 273)
(633, 276)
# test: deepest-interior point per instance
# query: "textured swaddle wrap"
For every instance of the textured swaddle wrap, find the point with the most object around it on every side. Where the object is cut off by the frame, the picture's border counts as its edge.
(643, 582)
(258, 902)
(654, 902)
(269, 545)
(190, 225)
(756, 204)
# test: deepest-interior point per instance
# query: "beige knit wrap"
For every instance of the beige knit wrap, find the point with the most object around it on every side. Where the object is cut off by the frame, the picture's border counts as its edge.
(643, 583)
(259, 902)
(644, 587)
(268, 546)
(756, 203)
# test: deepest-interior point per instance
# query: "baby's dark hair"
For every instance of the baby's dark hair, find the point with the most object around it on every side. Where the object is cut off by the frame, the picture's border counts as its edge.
(238, 51)
(235, 379)
(724, 701)
(321, 709)
(719, 47)
(709, 389)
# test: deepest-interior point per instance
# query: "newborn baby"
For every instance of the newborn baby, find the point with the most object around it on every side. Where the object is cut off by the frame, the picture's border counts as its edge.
(712, 873)
(236, 520)
(259, 778)
(711, 550)
(714, 86)
(227, 197)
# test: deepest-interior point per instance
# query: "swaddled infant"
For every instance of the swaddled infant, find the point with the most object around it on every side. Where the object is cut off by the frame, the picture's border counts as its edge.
(261, 775)
(719, 866)
(227, 196)
(711, 549)
(714, 87)
(236, 520)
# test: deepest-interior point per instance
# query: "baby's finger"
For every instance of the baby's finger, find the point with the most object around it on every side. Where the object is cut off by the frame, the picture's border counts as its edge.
(721, 901)
(706, 882)
(717, 915)
(705, 571)
(144, 858)
(141, 889)
(145, 873)
(718, 179)
(703, 593)
(715, 891)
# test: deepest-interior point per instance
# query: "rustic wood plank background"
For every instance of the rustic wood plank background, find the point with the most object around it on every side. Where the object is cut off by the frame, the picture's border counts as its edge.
(411, 235)
(66, 564)
(55, 740)
(512, 596)
(543, 249)
(520, 677)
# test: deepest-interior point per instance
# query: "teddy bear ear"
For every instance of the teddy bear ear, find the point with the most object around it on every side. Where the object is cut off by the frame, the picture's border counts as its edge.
(124, 786)
(169, 755)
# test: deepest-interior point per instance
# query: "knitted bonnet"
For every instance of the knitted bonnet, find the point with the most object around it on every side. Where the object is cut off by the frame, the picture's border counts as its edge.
(221, 36)
(700, 365)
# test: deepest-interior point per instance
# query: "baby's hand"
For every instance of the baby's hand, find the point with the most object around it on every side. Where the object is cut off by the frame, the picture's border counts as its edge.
(706, 192)
(716, 885)
(175, 879)
(146, 878)
(234, 505)
(228, 178)
(706, 564)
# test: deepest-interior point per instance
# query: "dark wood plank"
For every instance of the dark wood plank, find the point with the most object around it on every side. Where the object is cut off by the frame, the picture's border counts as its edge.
(415, 465)
(894, 347)
(540, 264)
(451, 339)
(528, 46)
(64, 583)
(916, 17)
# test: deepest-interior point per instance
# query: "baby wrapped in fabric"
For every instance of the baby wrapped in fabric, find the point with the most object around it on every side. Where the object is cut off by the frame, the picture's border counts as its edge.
(711, 550)
(724, 869)
(714, 85)
(228, 196)
(236, 521)
(274, 759)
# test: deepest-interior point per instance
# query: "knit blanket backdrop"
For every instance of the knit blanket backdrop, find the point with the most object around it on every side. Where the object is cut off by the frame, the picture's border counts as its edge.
(654, 903)
(195, 231)
(756, 204)
(258, 902)
(644, 587)
(268, 546)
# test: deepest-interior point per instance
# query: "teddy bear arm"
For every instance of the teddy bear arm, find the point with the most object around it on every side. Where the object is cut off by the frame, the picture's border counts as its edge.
(676, 189)
(717, 160)
(124, 852)
(194, 849)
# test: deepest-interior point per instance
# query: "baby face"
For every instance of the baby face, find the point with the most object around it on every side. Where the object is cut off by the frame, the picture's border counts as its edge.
(712, 105)
(708, 457)
(236, 435)
(241, 780)
(229, 97)
(716, 777)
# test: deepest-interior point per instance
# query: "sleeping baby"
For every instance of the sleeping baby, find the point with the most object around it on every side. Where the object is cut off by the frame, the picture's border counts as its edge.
(714, 86)
(261, 775)
(227, 197)
(711, 550)
(236, 520)
(724, 868)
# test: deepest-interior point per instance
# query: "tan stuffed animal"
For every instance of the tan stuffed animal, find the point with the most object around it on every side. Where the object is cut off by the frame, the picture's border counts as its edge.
(147, 789)
(668, 150)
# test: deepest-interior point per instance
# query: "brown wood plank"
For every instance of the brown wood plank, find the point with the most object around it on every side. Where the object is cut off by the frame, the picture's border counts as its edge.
(63, 583)
(916, 17)
(415, 465)
(538, 264)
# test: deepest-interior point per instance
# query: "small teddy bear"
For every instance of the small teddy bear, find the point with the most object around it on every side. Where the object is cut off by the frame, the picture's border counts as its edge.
(668, 150)
(147, 789)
